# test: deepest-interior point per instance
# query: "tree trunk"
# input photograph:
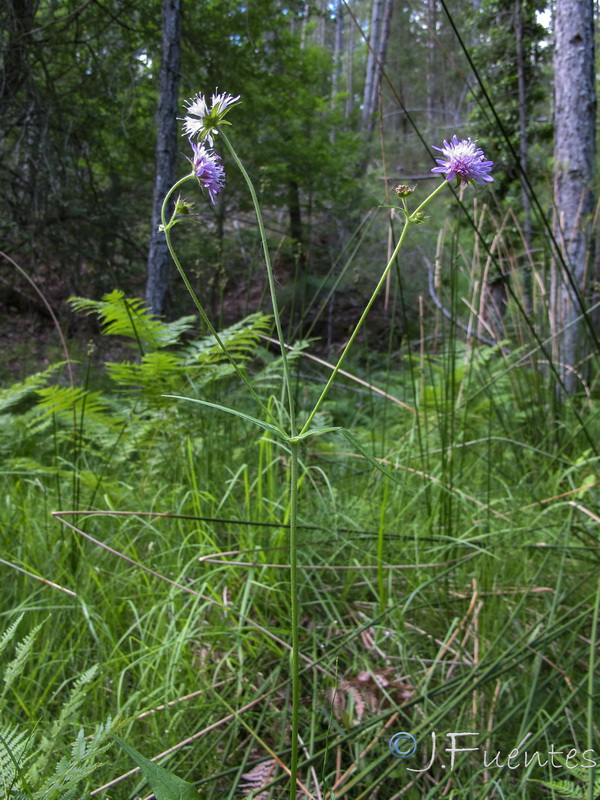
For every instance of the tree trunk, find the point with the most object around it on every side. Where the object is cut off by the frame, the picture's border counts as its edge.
(369, 97)
(295, 211)
(380, 31)
(158, 268)
(338, 49)
(432, 78)
(574, 155)
(522, 89)
(384, 35)
(349, 108)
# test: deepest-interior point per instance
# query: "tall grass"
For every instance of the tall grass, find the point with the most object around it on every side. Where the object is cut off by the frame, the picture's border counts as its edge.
(460, 597)
(457, 592)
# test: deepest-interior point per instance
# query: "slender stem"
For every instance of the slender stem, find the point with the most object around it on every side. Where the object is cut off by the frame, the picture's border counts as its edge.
(271, 279)
(167, 229)
(294, 446)
(356, 329)
(407, 223)
(437, 190)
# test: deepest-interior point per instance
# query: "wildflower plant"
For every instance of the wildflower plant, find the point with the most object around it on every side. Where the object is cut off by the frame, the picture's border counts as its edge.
(462, 160)
(202, 121)
(208, 169)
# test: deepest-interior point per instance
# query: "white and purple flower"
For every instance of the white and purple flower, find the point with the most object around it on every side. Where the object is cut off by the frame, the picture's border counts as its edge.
(202, 121)
(464, 161)
(208, 169)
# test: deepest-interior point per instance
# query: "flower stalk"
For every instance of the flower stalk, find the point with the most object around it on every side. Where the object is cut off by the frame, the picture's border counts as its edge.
(410, 219)
(166, 226)
(462, 160)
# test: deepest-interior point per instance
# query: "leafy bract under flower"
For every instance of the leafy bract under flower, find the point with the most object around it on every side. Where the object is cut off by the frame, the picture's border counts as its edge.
(464, 161)
(202, 121)
(208, 169)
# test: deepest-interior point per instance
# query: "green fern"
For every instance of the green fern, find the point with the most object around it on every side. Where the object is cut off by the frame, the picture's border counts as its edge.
(578, 785)
(19, 397)
(126, 316)
(28, 766)
(71, 403)
(196, 365)
(65, 782)
(46, 427)
(9, 634)
(13, 745)
(17, 665)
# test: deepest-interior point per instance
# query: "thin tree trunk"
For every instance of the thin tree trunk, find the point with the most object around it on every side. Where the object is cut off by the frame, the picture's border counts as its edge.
(370, 97)
(384, 35)
(158, 267)
(295, 211)
(349, 76)
(574, 155)
(523, 139)
(380, 24)
(338, 48)
(432, 119)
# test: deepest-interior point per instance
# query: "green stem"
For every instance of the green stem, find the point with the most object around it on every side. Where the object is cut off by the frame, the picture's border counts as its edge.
(167, 228)
(294, 446)
(407, 223)
(271, 279)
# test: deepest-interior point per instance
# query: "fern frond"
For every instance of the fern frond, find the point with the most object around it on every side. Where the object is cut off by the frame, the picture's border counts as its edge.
(564, 789)
(73, 702)
(13, 744)
(123, 316)
(20, 397)
(9, 634)
(14, 669)
(241, 340)
(199, 363)
(158, 373)
(65, 781)
(64, 401)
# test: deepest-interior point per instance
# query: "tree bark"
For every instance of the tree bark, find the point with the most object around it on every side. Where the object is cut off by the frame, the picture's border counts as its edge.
(338, 49)
(384, 36)
(432, 117)
(574, 156)
(158, 267)
(369, 97)
(523, 153)
(349, 107)
(295, 211)
(378, 39)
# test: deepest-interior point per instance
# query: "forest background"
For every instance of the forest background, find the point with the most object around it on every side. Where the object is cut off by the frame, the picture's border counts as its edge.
(144, 540)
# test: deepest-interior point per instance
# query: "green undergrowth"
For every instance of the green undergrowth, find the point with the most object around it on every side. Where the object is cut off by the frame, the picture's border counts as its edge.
(455, 593)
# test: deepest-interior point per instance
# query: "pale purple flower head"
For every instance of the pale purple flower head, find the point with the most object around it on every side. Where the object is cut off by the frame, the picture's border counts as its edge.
(202, 121)
(208, 169)
(463, 161)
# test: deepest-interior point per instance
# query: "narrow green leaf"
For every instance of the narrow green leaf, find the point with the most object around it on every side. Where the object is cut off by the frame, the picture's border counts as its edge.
(164, 785)
(265, 425)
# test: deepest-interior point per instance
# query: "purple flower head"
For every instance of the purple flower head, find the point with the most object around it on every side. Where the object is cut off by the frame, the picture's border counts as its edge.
(208, 169)
(463, 161)
(202, 121)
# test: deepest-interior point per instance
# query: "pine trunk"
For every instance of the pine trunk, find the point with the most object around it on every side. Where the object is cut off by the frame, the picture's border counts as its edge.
(574, 155)
(523, 151)
(370, 97)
